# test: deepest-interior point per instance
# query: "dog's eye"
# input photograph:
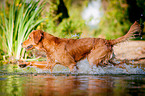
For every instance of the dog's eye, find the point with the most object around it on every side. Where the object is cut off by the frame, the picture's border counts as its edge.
(29, 37)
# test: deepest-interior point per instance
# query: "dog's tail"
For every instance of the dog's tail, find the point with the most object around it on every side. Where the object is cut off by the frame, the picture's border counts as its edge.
(133, 29)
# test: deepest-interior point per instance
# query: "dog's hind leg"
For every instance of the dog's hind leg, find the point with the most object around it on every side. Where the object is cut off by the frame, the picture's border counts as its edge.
(99, 55)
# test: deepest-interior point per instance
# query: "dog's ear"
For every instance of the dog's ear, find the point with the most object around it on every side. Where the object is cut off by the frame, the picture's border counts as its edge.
(38, 35)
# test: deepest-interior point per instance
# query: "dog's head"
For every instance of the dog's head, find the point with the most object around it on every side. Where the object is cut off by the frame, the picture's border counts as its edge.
(33, 40)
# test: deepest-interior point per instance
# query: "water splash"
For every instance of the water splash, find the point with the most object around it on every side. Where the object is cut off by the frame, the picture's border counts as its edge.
(85, 68)
(110, 69)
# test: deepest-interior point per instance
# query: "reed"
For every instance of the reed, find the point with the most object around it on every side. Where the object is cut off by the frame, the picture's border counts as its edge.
(21, 19)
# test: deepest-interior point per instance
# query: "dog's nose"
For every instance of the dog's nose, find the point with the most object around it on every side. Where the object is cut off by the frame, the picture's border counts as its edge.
(21, 43)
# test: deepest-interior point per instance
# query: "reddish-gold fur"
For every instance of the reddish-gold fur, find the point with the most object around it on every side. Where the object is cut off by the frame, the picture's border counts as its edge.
(68, 51)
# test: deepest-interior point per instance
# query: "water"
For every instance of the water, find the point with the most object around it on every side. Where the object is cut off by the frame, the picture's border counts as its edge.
(124, 80)
(72, 85)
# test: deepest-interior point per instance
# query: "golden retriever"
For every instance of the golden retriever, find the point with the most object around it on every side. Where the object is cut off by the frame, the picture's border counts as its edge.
(68, 51)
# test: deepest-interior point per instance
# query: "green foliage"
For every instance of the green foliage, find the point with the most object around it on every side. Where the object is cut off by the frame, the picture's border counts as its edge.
(67, 28)
(1, 54)
(17, 24)
(114, 22)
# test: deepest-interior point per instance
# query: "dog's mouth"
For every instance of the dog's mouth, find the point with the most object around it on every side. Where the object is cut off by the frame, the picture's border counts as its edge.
(22, 65)
(29, 47)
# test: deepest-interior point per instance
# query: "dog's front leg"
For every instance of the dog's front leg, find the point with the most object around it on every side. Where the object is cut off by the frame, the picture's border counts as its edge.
(71, 67)
(50, 66)
(50, 63)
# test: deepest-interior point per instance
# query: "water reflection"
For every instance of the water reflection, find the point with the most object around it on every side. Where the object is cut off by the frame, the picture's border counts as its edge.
(51, 85)
(68, 85)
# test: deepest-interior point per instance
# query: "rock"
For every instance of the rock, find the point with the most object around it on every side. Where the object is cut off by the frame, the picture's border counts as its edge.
(130, 50)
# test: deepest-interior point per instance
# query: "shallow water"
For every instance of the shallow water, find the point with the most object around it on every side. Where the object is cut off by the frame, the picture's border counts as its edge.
(124, 80)
(66, 85)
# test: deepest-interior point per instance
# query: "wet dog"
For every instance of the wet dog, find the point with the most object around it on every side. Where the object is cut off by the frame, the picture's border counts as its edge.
(68, 51)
